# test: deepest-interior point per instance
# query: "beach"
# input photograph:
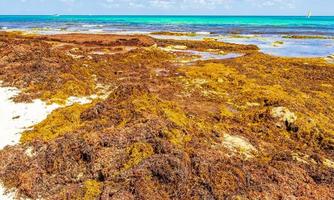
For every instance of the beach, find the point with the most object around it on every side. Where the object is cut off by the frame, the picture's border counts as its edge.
(161, 114)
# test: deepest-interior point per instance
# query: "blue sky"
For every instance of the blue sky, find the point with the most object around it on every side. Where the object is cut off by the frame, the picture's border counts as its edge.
(168, 7)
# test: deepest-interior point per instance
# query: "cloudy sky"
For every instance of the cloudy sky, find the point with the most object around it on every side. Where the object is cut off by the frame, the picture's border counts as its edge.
(168, 7)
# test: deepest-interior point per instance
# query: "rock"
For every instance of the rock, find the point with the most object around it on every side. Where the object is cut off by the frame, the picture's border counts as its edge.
(239, 144)
(284, 114)
(29, 152)
(277, 43)
(287, 117)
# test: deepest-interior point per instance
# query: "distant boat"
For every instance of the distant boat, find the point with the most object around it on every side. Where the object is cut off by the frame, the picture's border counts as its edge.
(56, 15)
(309, 14)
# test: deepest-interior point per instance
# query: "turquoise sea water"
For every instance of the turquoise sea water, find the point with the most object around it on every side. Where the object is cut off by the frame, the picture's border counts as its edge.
(212, 24)
(267, 29)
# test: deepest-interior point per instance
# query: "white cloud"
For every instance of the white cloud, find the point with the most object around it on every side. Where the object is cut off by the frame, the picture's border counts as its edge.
(187, 4)
(273, 3)
(164, 6)
(184, 4)
(200, 4)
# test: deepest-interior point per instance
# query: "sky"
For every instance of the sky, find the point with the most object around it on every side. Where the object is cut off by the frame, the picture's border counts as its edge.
(167, 7)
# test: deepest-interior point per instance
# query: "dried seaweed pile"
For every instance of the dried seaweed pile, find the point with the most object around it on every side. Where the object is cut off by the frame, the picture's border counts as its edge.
(253, 127)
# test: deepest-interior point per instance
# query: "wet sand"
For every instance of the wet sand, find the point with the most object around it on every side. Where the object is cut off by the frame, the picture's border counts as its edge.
(167, 119)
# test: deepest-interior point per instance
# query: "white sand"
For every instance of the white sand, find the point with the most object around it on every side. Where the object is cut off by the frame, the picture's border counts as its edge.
(5, 197)
(16, 117)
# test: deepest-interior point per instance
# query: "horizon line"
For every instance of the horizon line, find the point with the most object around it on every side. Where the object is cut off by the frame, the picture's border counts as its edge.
(164, 15)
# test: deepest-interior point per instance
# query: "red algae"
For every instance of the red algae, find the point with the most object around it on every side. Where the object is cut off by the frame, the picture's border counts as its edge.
(252, 127)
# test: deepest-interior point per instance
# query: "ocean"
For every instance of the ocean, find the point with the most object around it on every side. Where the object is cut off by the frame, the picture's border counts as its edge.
(212, 24)
(266, 29)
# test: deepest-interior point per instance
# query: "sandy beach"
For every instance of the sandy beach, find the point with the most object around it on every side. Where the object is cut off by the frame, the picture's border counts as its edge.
(163, 116)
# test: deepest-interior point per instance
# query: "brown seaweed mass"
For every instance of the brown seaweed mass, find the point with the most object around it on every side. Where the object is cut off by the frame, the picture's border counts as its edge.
(252, 127)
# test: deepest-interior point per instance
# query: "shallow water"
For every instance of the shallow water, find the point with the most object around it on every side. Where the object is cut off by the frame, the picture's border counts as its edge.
(290, 47)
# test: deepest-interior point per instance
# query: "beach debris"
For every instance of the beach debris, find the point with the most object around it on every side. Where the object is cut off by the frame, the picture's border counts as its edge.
(16, 117)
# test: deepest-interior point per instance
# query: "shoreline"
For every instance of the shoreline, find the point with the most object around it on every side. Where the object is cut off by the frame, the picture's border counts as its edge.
(257, 115)
(283, 44)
